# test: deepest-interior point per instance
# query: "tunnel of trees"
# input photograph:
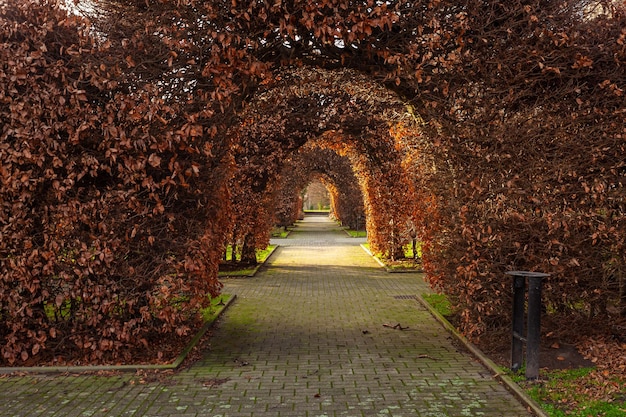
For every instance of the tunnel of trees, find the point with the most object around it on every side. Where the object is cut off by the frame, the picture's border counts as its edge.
(138, 138)
(313, 111)
(335, 173)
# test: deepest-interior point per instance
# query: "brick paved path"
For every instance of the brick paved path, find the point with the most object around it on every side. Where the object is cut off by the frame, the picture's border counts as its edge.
(305, 337)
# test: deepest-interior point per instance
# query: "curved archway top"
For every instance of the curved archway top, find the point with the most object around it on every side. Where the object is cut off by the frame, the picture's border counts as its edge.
(303, 81)
(336, 106)
(343, 90)
(313, 160)
(335, 171)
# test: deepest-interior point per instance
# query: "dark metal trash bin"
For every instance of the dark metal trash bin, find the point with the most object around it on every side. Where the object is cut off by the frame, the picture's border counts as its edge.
(533, 325)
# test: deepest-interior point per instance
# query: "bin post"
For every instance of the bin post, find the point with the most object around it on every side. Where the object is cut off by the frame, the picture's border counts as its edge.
(517, 342)
(533, 325)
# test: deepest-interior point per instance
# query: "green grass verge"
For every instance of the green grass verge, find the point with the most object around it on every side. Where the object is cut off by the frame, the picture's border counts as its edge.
(408, 249)
(261, 256)
(440, 303)
(401, 265)
(211, 312)
(280, 233)
(356, 233)
(573, 393)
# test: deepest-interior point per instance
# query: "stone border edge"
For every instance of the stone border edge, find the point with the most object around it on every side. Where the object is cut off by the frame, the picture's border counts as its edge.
(124, 368)
(369, 252)
(488, 363)
(387, 269)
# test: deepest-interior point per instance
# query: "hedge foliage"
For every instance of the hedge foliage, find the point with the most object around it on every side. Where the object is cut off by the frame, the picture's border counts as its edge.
(129, 143)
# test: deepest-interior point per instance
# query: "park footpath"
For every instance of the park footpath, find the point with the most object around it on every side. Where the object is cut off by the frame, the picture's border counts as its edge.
(321, 330)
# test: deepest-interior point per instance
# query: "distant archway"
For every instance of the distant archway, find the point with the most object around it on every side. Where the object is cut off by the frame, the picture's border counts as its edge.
(335, 171)
(341, 111)
(316, 195)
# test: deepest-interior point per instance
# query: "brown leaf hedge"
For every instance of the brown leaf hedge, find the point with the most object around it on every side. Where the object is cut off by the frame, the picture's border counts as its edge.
(105, 214)
(135, 144)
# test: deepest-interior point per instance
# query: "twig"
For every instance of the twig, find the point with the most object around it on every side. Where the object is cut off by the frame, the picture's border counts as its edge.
(397, 326)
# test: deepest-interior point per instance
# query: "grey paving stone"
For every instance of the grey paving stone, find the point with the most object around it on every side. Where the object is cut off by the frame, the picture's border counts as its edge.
(305, 337)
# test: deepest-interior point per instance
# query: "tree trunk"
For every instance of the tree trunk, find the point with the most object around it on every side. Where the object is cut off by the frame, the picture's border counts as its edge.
(233, 252)
(248, 254)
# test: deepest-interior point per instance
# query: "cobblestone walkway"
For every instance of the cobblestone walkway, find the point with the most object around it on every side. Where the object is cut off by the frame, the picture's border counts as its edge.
(305, 337)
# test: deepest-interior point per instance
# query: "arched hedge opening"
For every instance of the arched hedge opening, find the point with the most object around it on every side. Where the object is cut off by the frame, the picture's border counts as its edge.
(334, 171)
(340, 111)
(504, 123)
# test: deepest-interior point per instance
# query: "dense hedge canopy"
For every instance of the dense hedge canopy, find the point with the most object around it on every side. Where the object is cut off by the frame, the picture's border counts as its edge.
(105, 214)
(128, 142)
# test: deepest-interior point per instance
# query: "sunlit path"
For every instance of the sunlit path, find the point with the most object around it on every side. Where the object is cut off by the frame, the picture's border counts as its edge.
(305, 337)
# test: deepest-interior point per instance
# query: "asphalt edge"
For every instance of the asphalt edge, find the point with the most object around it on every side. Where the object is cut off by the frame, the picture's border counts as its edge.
(124, 368)
(510, 385)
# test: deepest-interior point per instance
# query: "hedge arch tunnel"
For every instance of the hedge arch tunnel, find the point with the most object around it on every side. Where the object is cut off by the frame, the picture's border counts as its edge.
(313, 116)
(126, 145)
(334, 171)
